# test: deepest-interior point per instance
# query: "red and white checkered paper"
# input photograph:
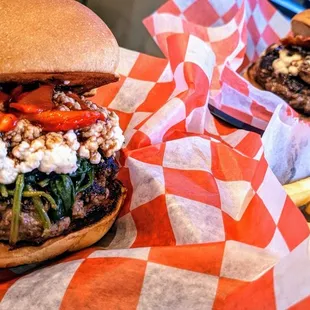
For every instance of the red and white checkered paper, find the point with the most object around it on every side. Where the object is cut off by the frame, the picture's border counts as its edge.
(205, 225)
(237, 32)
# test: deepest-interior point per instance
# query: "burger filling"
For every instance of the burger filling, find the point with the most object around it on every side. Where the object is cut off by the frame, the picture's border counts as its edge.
(57, 166)
(285, 71)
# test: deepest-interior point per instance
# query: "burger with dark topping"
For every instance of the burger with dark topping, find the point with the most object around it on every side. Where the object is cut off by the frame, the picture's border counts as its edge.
(58, 186)
(284, 68)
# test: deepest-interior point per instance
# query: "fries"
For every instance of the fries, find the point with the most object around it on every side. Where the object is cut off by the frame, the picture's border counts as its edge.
(299, 192)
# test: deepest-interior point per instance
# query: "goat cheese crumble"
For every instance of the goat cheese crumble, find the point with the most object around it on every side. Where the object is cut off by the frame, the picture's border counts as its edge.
(27, 148)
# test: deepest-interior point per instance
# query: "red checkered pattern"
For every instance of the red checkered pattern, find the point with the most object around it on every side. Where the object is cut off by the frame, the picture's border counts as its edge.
(196, 17)
(245, 28)
(206, 224)
(244, 102)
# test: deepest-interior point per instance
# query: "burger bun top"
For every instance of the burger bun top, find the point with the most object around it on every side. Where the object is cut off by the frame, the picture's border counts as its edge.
(301, 24)
(43, 40)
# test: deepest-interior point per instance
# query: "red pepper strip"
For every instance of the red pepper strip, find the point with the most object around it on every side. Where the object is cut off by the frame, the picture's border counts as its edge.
(7, 122)
(36, 101)
(64, 120)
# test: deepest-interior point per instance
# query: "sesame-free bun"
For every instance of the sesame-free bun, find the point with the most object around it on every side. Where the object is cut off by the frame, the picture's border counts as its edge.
(43, 40)
(301, 24)
(53, 247)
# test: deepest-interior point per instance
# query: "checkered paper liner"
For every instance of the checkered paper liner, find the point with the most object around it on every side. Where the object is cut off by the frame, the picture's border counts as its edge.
(237, 32)
(205, 224)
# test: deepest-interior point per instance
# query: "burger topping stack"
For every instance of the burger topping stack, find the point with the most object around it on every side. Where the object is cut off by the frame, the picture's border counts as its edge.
(285, 71)
(59, 190)
(56, 157)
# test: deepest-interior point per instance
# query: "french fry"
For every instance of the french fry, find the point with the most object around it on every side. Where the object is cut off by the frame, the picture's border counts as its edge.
(299, 191)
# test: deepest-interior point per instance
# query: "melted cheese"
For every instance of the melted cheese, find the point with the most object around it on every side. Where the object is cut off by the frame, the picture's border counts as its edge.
(286, 64)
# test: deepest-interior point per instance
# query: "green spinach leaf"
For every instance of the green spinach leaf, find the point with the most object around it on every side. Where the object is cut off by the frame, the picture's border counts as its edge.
(63, 191)
(84, 166)
(83, 176)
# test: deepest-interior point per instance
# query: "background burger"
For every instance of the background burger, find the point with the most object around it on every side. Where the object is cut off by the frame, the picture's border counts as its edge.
(284, 68)
(58, 190)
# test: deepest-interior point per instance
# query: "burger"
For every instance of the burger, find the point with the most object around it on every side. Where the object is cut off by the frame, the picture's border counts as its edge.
(284, 68)
(58, 186)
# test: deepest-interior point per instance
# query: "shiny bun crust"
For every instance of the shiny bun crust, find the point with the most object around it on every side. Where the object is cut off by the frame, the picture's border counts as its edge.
(301, 24)
(53, 247)
(60, 39)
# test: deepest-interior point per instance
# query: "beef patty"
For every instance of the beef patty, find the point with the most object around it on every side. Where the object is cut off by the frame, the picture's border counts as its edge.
(292, 87)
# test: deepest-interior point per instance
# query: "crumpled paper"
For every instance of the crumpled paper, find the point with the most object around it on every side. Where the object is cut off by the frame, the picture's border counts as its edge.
(245, 28)
(286, 144)
(206, 224)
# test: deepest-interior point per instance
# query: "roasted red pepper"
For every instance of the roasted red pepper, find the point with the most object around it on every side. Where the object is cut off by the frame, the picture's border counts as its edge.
(36, 101)
(64, 120)
(7, 122)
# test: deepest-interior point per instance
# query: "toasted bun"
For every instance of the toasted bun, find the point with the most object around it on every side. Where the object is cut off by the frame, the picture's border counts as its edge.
(60, 39)
(249, 75)
(301, 24)
(56, 246)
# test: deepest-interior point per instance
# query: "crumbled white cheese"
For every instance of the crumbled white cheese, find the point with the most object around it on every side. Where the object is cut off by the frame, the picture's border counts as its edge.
(61, 159)
(8, 171)
(62, 107)
(96, 159)
(58, 155)
(32, 162)
(48, 153)
(84, 152)
(57, 152)
(71, 139)
(24, 131)
(106, 135)
(29, 155)
(61, 99)
(286, 64)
